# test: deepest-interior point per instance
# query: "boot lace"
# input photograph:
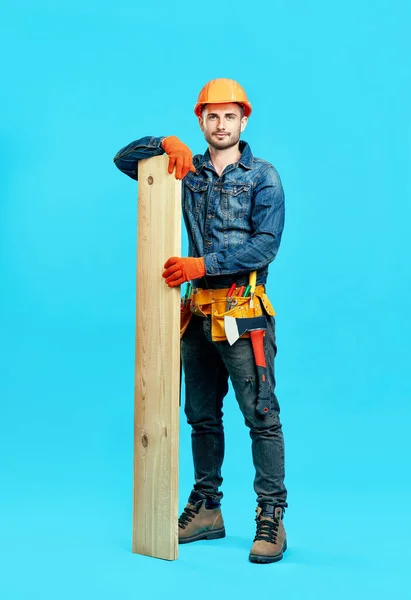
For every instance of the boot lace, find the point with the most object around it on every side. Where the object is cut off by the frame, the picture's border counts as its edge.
(188, 515)
(267, 529)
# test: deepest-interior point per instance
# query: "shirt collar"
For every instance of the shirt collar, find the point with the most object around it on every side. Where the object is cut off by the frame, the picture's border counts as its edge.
(246, 159)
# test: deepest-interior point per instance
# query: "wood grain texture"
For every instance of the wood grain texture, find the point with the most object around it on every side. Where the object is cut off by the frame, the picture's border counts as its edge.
(157, 364)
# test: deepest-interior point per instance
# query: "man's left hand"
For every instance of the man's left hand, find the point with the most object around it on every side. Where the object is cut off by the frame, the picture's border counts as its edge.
(178, 270)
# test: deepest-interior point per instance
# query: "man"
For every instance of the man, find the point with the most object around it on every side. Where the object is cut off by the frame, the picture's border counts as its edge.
(233, 207)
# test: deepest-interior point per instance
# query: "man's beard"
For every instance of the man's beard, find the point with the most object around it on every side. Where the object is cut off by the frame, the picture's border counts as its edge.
(228, 141)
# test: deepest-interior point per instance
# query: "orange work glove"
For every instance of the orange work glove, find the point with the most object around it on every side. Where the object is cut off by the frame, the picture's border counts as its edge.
(180, 155)
(178, 270)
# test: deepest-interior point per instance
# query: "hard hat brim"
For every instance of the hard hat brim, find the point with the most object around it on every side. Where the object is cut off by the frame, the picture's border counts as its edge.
(246, 105)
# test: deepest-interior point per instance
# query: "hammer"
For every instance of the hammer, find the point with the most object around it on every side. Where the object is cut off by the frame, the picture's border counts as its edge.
(234, 329)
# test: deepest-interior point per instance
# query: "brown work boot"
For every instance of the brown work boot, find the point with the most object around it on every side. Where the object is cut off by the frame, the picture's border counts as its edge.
(270, 541)
(200, 520)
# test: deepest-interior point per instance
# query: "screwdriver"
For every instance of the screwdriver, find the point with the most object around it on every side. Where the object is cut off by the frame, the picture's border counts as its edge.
(186, 295)
(253, 281)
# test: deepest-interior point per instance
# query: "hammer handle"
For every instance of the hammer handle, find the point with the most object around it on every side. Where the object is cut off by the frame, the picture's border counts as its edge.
(264, 390)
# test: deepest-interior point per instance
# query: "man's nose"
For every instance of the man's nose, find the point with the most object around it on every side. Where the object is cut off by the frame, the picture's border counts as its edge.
(220, 124)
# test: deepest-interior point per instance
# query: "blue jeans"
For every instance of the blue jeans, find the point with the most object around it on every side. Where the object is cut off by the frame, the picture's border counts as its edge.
(207, 367)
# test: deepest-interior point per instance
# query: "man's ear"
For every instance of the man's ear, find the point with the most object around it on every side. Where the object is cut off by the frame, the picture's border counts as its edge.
(201, 123)
(244, 122)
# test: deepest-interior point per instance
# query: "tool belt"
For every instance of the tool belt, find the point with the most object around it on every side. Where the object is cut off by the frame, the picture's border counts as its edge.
(214, 303)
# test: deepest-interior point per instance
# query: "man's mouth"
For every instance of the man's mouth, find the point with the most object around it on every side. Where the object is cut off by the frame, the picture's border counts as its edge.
(221, 134)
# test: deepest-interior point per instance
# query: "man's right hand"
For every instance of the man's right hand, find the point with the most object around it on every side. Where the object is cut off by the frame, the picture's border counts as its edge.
(180, 156)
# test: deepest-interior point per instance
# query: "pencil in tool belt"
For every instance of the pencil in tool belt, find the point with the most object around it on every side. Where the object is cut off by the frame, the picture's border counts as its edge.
(229, 299)
(240, 291)
(247, 290)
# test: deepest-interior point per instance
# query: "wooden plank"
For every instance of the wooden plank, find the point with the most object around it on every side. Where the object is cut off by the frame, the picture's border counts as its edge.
(157, 364)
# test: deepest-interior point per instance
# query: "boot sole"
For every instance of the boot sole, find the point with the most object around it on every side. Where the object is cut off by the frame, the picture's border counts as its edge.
(260, 558)
(206, 535)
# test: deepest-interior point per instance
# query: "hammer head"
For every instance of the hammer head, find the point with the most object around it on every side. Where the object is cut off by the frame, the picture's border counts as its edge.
(235, 328)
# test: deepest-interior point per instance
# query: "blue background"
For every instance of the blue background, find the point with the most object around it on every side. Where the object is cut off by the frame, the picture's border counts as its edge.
(330, 87)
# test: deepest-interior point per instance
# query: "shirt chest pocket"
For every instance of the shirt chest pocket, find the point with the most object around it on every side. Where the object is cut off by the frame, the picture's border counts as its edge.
(195, 195)
(236, 200)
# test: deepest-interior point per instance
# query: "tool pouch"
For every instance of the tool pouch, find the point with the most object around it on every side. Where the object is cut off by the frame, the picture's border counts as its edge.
(241, 310)
(214, 302)
(185, 318)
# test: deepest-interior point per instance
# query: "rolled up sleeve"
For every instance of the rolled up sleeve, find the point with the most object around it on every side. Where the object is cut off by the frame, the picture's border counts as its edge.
(127, 158)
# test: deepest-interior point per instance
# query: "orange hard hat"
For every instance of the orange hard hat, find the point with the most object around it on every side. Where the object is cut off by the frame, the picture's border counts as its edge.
(222, 91)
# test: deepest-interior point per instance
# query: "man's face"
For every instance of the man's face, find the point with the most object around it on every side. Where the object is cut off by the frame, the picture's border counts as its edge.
(222, 125)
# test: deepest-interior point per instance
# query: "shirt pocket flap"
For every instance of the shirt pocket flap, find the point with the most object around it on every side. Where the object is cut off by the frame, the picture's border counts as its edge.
(235, 190)
(196, 186)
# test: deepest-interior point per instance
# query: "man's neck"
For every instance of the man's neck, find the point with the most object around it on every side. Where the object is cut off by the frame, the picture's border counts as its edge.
(222, 158)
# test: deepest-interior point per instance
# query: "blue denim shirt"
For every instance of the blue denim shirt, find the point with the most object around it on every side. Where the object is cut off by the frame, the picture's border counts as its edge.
(234, 220)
